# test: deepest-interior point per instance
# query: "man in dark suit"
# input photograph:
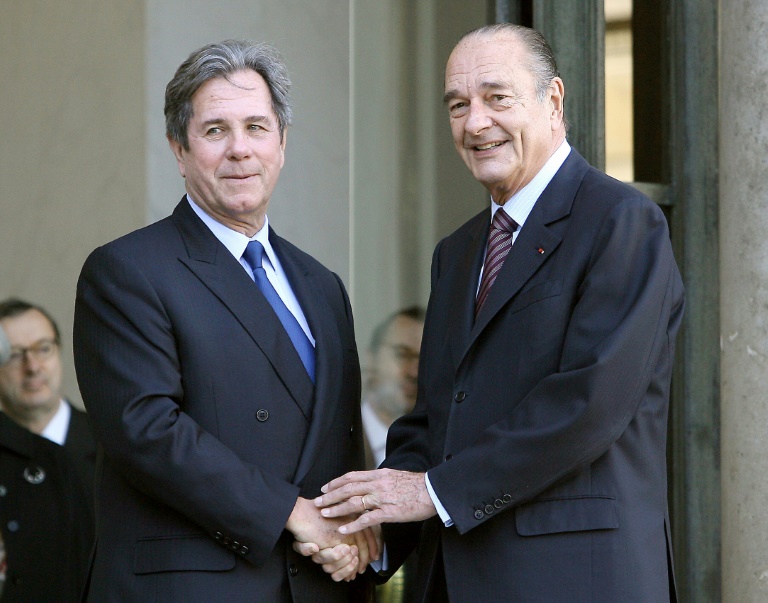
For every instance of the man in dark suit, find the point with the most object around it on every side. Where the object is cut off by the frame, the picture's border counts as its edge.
(533, 466)
(46, 487)
(218, 364)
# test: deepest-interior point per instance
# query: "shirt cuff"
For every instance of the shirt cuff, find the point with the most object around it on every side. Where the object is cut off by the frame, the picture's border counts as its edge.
(382, 563)
(446, 519)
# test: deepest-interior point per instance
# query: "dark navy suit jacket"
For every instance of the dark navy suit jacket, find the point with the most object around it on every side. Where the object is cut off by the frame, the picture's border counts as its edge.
(209, 424)
(543, 423)
(46, 511)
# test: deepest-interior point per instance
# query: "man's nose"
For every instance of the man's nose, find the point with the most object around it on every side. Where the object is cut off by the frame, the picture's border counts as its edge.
(478, 119)
(239, 145)
(412, 367)
(30, 361)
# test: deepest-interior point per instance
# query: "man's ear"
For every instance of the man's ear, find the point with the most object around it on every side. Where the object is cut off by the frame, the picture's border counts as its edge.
(178, 151)
(556, 98)
(283, 140)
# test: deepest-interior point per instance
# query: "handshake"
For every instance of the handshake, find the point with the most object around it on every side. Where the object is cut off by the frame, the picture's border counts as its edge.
(341, 529)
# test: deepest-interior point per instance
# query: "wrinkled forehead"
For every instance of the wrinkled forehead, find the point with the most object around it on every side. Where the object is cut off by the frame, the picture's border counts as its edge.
(478, 58)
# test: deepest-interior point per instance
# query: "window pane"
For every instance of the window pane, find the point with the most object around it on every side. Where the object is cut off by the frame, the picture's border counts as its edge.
(618, 89)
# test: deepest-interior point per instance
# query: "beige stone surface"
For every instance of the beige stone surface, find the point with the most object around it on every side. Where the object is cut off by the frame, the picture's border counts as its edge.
(744, 299)
(72, 149)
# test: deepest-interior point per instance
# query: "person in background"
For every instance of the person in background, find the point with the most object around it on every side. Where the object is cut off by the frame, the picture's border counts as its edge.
(47, 463)
(533, 467)
(219, 366)
(390, 392)
(391, 378)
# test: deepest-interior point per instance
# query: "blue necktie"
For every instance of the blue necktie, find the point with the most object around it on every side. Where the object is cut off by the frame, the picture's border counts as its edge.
(253, 254)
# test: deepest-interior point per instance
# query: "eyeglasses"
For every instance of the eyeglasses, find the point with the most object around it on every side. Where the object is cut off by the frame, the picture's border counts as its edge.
(42, 350)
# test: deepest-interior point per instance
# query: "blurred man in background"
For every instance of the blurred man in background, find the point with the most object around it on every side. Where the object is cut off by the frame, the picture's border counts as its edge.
(47, 461)
(392, 378)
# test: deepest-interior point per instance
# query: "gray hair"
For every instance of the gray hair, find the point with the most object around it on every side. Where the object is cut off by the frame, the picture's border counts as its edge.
(541, 59)
(220, 60)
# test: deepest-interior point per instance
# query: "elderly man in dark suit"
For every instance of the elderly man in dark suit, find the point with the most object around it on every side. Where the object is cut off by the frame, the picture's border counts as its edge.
(47, 463)
(533, 466)
(218, 363)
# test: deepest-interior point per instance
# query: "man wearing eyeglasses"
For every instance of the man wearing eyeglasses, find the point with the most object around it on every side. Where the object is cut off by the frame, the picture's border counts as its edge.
(47, 464)
(30, 381)
(390, 392)
(392, 377)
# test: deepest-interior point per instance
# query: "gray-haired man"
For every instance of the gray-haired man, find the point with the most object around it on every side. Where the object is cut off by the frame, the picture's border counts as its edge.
(219, 366)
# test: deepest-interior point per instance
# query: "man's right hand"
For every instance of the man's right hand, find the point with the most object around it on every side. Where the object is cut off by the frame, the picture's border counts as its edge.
(343, 556)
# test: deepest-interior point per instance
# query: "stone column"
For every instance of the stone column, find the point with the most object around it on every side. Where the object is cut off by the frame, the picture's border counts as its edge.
(744, 298)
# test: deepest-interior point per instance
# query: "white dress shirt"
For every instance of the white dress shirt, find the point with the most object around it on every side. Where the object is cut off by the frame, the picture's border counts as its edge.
(375, 432)
(236, 243)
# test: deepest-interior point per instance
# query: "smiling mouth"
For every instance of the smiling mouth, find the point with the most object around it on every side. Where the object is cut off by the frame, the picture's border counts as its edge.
(490, 145)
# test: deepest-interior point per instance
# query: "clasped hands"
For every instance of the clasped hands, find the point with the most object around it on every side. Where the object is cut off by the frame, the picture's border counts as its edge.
(354, 506)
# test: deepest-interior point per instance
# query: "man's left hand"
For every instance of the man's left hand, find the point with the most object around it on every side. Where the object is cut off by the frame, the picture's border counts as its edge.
(380, 496)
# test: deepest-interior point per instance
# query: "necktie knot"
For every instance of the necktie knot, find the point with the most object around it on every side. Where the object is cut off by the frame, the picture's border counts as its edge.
(502, 221)
(253, 254)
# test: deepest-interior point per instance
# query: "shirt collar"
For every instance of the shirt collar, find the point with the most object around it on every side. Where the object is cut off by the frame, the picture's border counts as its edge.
(520, 205)
(234, 241)
(375, 431)
(56, 430)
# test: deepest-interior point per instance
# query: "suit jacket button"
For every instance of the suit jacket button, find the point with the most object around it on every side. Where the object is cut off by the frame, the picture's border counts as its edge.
(488, 509)
(218, 536)
(292, 569)
(498, 503)
(227, 540)
(13, 526)
(3, 490)
(34, 475)
(262, 415)
(244, 550)
(506, 498)
(448, 457)
(479, 514)
(459, 397)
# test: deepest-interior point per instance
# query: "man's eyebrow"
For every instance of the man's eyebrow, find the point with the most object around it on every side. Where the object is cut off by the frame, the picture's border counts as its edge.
(490, 85)
(450, 95)
(250, 119)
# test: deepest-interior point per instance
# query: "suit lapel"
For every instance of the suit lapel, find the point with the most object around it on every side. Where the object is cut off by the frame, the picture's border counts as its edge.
(328, 349)
(210, 262)
(461, 284)
(534, 244)
(79, 438)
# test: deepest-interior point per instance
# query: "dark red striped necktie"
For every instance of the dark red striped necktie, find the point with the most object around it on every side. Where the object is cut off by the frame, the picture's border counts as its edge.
(499, 244)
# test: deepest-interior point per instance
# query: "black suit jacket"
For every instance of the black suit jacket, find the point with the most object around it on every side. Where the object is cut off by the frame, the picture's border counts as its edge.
(46, 513)
(543, 422)
(81, 448)
(209, 423)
